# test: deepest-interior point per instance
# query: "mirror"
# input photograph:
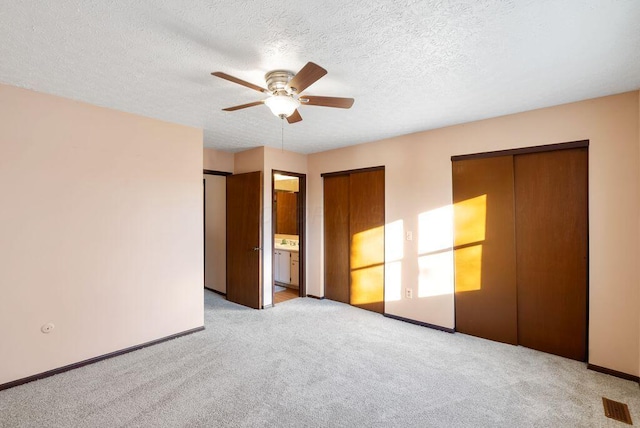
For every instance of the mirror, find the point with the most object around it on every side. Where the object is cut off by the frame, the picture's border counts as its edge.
(286, 212)
(286, 204)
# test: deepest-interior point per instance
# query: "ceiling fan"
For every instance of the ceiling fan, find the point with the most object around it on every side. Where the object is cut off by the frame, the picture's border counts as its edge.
(285, 92)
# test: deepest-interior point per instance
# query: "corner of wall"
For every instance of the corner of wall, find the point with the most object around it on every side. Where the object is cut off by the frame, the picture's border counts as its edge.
(217, 160)
(249, 160)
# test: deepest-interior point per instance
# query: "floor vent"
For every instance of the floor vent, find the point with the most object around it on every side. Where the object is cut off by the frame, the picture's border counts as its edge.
(616, 410)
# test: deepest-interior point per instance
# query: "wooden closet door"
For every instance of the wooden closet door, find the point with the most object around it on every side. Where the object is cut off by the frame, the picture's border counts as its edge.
(366, 225)
(336, 238)
(552, 247)
(484, 251)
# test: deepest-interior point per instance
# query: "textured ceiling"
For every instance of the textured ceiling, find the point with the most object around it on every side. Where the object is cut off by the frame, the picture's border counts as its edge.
(411, 65)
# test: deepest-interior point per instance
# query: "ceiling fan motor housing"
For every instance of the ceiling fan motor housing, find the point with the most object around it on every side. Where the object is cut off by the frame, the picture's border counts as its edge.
(277, 82)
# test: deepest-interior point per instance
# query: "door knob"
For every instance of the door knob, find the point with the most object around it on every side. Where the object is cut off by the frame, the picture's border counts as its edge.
(257, 248)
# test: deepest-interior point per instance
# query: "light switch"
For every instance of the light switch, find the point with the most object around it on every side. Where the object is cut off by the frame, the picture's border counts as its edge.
(409, 236)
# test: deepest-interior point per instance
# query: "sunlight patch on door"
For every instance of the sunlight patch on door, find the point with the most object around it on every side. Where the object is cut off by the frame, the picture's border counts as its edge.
(470, 223)
(367, 248)
(470, 220)
(367, 266)
(468, 271)
(365, 285)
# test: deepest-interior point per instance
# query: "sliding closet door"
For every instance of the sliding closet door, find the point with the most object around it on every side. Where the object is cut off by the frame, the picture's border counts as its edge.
(552, 247)
(484, 252)
(336, 238)
(366, 226)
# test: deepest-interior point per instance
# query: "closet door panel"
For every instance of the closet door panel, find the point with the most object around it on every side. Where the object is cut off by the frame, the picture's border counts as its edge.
(484, 248)
(552, 250)
(336, 238)
(366, 220)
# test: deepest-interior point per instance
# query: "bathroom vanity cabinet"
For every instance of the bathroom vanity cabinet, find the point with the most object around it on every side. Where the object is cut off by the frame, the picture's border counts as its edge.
(286, 267)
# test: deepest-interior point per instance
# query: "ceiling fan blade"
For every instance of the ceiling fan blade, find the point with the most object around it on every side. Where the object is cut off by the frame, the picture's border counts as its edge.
(239, 81)
(326, 101)
(309, 74)
(295, 117)
(234, 108)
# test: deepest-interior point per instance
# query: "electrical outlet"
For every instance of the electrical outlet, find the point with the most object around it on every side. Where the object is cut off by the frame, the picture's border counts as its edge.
(409, 293)
(47, 328)
(409, 236)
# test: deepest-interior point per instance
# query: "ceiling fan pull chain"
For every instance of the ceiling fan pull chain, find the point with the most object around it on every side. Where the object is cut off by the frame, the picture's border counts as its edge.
(282, 133)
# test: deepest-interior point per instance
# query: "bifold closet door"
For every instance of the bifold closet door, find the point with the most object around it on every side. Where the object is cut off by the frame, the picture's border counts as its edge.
(366, 227)
(484, 248)
(552, 246)
(336, 238)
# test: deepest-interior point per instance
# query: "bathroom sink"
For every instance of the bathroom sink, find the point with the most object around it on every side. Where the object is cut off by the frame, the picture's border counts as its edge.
(286, 247)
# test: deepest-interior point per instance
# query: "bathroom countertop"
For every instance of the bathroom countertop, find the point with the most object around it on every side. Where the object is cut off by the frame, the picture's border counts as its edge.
(286, 247)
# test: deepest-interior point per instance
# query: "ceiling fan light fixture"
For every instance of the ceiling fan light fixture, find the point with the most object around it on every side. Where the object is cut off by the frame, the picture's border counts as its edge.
(282, 105)
(284, 92)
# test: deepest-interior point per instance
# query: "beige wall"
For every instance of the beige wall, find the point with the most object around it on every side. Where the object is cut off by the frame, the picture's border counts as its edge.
(249, 161)
(217, 160)
(418, 187)
(101, 226)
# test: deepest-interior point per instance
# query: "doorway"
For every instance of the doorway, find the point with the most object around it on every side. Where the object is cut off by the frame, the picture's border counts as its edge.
(288, 235)
(215, 223)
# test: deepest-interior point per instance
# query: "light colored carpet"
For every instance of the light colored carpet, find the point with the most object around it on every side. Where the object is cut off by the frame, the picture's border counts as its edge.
(311, 363)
